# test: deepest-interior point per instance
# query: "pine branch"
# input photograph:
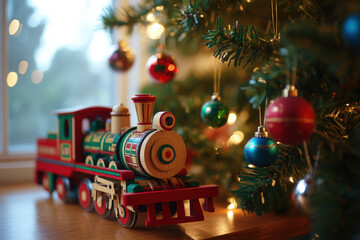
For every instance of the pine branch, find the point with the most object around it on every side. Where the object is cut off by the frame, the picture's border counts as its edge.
(109, 19)
(336, 179)
(199, 15)
(266, 82)
(263, 190)
(196, 17)
(129, 17)
(132, 15)
(317, 11)
(244, 44)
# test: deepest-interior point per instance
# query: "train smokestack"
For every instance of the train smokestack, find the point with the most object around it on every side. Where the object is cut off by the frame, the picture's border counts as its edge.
(144, 104)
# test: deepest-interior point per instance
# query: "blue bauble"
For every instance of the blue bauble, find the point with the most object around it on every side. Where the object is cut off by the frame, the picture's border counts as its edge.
(351, 31)
(261, 151)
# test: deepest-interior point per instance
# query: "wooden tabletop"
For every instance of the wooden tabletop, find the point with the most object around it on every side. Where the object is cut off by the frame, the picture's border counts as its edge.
(27, 212)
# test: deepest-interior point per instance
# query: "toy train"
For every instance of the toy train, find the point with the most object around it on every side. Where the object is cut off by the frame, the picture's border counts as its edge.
(120, 171)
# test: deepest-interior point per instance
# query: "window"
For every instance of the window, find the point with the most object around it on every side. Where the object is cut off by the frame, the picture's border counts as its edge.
(66, 128)
(56, 58)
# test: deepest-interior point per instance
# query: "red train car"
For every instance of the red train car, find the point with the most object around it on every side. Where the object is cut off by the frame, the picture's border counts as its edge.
(119, 171)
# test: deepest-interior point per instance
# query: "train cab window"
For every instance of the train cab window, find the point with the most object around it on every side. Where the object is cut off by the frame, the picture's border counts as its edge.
(66, 128)
(85, 125)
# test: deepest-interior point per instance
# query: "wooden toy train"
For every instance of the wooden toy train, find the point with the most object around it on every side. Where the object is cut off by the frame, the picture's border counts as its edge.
(120, 171)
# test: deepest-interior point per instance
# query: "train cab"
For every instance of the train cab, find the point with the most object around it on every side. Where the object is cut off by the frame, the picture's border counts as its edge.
(71, 129)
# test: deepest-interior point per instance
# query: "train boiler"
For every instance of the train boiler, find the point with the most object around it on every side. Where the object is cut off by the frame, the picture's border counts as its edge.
(119, 171)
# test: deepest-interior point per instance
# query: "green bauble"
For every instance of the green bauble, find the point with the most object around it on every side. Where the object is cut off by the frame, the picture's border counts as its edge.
(214, 113)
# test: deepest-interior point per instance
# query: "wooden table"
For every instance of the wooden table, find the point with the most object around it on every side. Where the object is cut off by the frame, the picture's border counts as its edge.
(27, 212)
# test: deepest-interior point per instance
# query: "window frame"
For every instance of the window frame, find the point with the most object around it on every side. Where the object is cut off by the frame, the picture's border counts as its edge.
(5, 155)
(19, 167)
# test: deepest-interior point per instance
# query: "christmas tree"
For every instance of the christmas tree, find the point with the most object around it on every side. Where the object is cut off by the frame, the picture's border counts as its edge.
(299, 63)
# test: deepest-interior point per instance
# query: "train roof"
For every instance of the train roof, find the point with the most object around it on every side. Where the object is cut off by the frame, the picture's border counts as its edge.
(82, 110)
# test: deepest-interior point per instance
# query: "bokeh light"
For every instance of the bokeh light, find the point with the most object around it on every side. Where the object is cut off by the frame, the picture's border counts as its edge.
(232, 118)
(236, 138)
(12, 79)
(23, 66)
(14, 27)
(150, 17)
(154, 31)
(37, 76)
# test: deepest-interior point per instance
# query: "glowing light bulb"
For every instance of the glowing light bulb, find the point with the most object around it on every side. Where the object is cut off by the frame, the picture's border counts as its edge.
(150, 17)
(301, 186)
(159, 8)
(251, 166)
(291, 179)
(231, 206)
(232, 118)
(154, 31)
(232, 203)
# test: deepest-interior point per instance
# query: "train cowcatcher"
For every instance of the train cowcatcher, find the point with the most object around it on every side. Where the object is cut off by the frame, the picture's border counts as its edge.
(119, 171)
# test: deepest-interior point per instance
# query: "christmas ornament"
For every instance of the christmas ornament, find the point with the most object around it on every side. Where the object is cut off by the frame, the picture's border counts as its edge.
(301, 193)
(161, 67)
(290, 119)
(122, 59)
(214, 113)
(260, 150)
(351, 31)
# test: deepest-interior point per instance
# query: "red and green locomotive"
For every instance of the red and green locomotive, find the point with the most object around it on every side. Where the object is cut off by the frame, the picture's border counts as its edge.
(120, 171)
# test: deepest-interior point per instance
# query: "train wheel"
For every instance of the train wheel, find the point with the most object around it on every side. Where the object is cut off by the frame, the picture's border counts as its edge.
(46, 183)
(114, 165)
(63, 189)
(127, 218)
(89, 160)
(102, 162)
(84, 195)
(101, 206)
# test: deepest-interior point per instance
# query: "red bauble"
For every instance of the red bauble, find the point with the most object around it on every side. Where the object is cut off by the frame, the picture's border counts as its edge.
(161, 67)
(290, 120)
(122, 59)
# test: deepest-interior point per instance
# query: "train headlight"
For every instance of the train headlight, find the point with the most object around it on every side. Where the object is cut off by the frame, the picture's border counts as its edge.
(164, 121)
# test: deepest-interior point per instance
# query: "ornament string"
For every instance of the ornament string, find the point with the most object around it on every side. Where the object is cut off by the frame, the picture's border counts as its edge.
(274, 17)
(217, 76)
(307, 156)
(291, 73)
(294, 70)
(260, 118)
(288, 72)
(259, 115)
(266, 103)
(162, 40)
